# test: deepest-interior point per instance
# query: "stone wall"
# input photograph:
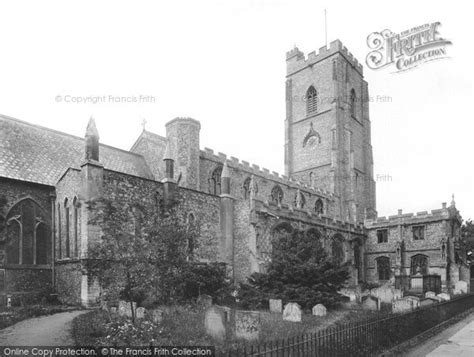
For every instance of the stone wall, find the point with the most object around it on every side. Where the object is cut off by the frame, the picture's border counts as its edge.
(68, 278)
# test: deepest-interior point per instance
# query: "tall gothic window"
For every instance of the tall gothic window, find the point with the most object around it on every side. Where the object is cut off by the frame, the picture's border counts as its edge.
(276, 195)
(337, 249)
(246, 188)
(353, 103)
(383, 268)
(419, 264)
(60, 236)
(190, 240)
(300, 200)
(75, 205)
(67, 229)
(319, 206)
(215, 181)
(311, 100)
(27, 234)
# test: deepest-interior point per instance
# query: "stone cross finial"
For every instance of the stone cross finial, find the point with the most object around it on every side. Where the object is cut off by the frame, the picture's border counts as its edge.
(144, 122)
(453, 203)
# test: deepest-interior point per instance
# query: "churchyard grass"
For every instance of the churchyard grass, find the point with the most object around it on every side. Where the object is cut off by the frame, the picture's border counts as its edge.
(184, 325)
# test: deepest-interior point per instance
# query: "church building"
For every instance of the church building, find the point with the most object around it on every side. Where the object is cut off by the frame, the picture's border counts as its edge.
(49, 182)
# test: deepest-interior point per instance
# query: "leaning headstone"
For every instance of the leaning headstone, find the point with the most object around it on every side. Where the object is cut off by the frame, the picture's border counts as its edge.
(292, 312)
(430, 294)
(214, 323)
(444, 296)
(460, 287)
(140, 313)
(204, 300)
(371, 303)
(275, 305)
(319, 310)
(125, 309)
(247, 325)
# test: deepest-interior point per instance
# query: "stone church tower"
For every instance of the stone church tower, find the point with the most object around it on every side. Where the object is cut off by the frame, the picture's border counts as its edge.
(327, 128)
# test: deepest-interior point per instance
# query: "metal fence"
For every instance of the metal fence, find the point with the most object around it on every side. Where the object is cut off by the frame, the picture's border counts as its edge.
(361, 338)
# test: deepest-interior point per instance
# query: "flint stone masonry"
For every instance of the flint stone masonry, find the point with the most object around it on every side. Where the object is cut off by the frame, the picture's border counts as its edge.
(275, 305)
(319, 310)
(292, 312)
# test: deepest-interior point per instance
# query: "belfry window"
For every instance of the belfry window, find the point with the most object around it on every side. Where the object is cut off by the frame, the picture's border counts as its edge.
(215, 181)
(353, 103)
(311, 100)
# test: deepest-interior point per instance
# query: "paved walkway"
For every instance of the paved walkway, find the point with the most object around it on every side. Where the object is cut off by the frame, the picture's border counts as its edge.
(51, 330)
(456, 340)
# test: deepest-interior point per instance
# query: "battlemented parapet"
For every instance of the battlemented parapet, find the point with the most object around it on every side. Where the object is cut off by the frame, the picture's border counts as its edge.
(296, 60)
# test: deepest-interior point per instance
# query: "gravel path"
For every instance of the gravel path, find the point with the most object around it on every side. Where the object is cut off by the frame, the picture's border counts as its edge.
(51, 330)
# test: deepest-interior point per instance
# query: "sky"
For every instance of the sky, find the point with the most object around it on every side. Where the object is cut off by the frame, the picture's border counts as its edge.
(223, 63)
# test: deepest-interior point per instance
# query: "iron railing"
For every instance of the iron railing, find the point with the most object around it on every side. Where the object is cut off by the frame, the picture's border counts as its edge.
(360, 338)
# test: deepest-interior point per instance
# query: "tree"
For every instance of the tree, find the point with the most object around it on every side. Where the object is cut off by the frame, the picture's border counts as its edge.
(467, 234)
(133, 259)
(300, 271)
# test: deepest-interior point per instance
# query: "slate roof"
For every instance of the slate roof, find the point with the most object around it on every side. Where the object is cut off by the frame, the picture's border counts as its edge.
(37, 154)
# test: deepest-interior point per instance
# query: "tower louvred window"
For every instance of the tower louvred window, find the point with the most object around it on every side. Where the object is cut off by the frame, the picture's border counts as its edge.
(311, 100)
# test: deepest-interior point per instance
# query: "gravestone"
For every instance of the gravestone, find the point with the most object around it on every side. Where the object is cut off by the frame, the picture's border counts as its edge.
(415, 301)
(204, 300)
(156, 315)
(430, 294)
(124, 308)
(275, 305)
(214, 323)
(319, 310)
(292, 312)
(140, 313)
(460, 287)
(403, 305)
(247, 325)
(371, 303)
(444, 296)
(427, 302)
(113, 310)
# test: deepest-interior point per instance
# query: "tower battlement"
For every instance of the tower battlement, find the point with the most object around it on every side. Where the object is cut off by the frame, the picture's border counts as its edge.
(296, 59)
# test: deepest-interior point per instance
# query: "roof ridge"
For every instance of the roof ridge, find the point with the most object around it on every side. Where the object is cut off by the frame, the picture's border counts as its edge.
(37, 126)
